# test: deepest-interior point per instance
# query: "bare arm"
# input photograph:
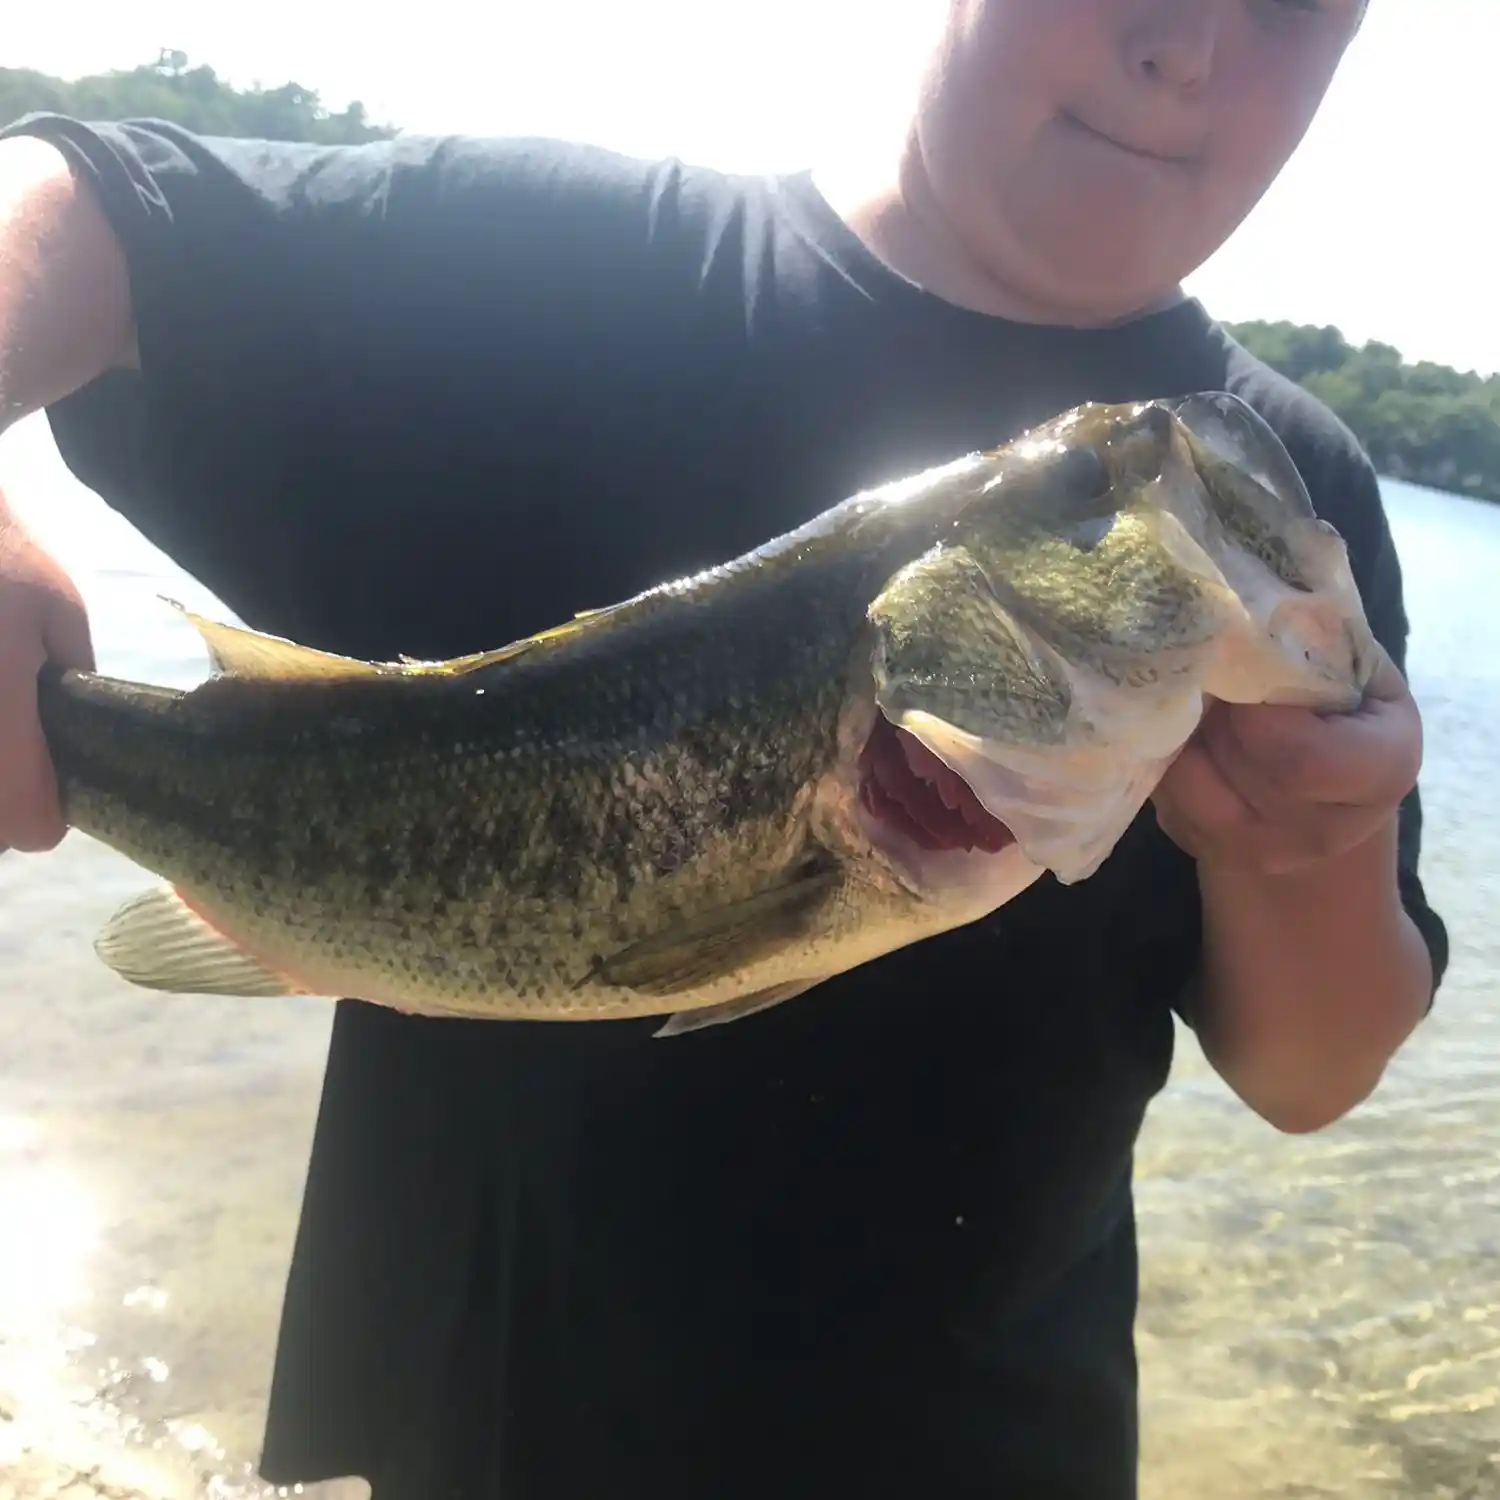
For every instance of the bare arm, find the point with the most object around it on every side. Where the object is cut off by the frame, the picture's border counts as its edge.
(65, 319)
(1313, 972)
(65, 314)
(1310, 982)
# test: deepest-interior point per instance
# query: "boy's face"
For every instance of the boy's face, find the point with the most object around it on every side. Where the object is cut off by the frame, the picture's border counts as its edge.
(1092, 153)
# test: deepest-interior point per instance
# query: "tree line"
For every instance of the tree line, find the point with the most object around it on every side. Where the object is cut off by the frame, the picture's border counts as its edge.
(1421, 422)
(193, 97)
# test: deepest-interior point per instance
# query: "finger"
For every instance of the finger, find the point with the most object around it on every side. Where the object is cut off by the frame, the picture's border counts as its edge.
(1386, 684)
(1370, 757)
(1256, 772)
(1195, 782)
(30, 818)
(1278, 832)
(1194, 805)
(1279, 849)
(65, 632)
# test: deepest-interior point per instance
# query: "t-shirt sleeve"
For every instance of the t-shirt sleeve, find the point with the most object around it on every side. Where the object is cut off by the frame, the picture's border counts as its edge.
(294, 301)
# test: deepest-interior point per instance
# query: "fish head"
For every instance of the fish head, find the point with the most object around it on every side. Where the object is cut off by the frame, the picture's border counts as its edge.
(1300, 635)
(1128, 532)
(994, 651)
(1041, 663)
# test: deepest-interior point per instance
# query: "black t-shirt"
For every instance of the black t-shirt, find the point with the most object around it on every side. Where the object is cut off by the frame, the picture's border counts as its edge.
(429, 395)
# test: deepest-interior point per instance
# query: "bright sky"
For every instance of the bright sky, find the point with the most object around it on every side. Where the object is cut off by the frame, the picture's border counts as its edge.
(1381, 225)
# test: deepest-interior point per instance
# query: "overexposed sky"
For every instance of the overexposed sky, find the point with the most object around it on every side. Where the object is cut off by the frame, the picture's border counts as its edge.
(1381, 225)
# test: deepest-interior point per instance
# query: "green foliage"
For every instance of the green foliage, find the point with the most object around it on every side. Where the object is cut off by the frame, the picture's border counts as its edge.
(195, 98)
(1421, 422)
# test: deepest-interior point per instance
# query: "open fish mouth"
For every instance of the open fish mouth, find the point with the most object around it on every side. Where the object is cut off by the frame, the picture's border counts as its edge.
(912, 791)
(941, 793)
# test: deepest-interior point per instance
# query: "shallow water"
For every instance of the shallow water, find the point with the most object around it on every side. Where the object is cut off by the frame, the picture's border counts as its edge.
(1320, 1316)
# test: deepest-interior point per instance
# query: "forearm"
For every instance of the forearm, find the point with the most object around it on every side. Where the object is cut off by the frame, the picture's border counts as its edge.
(65, 313)
(1310, 982)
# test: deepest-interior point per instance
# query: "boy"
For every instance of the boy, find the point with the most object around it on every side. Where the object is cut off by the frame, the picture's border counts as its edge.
(426, 396)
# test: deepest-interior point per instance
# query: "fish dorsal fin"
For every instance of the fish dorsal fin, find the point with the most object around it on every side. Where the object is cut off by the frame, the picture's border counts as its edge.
(237, 652)
(457, 666)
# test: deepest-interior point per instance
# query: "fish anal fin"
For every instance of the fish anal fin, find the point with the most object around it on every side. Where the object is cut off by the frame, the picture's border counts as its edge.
(158, 942)
(713, 944)
(733, 1010)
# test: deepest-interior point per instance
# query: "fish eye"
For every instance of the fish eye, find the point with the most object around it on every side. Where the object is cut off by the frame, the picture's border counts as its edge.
(1158, 421)
(1081, 473)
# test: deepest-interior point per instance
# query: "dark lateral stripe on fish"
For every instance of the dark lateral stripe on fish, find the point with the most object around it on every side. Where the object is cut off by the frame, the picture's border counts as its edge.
(698, 764)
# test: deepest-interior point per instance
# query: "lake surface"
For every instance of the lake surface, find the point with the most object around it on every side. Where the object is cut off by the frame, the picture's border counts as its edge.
(1320, 1315)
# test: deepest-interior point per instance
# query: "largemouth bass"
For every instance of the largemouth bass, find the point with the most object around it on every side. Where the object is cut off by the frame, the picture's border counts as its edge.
(710, 797)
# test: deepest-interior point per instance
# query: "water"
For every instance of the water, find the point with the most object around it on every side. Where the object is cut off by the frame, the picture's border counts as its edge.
(1320, 1315)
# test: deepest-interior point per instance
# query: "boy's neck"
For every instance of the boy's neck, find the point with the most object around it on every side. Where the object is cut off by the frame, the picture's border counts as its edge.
(896, 219)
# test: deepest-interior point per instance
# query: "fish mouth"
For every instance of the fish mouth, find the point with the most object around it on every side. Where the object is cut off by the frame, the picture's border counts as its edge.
(910, 790)
(940, 793)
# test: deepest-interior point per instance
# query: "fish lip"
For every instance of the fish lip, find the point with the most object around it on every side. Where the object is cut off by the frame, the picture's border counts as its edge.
(1146, 153)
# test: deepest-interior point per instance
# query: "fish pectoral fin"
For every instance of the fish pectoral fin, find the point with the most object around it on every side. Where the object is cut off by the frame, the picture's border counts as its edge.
(734, 1010)
(157, 941)
(235, 651)
(713, 944)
